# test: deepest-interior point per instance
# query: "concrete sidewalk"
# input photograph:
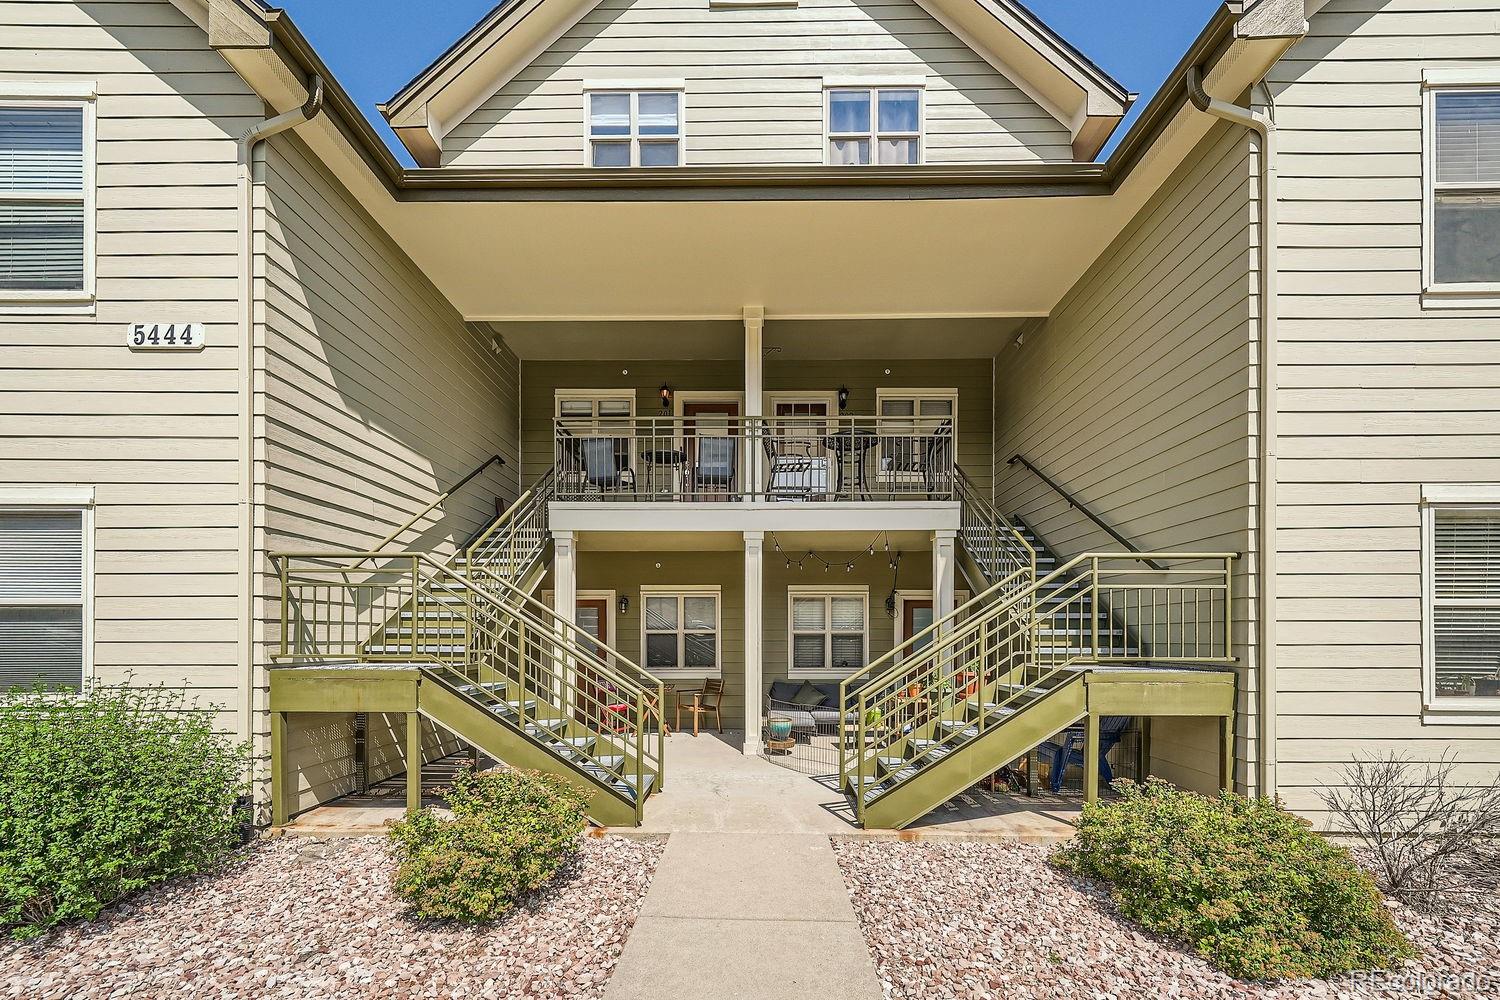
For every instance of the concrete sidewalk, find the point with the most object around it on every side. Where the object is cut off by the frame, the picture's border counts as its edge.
(751, 915)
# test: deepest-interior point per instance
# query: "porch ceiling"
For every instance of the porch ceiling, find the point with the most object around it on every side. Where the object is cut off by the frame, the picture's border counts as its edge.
(727, 541)
(708, 260)
(785, 340)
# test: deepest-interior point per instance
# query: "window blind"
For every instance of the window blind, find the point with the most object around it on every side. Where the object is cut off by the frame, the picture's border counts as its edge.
(1468, 137)
(42, 199)
(41, 598)
(41, 149)
(1466, 602)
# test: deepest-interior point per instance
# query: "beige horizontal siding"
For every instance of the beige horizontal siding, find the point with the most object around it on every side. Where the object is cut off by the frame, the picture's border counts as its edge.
(754, 90)
(378, 396)
(1135, 397)
(154, 434)
(1380, 395)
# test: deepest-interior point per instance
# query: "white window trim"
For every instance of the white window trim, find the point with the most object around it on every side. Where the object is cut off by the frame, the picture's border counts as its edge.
(874, 85)
(681, 592)
(951, 395)
(48, 499)
(634, 87)
(1435, 710)
(82, 94)
(829, 673)
(1450, 295)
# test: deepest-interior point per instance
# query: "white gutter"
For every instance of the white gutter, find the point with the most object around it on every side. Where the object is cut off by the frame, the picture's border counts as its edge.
(1264, 126)
(246, 494)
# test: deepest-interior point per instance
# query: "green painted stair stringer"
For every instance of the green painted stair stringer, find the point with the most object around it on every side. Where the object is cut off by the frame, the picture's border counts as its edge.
(974, 760)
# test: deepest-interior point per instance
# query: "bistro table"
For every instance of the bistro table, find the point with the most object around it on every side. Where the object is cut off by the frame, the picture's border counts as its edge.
(672, 458)
(858, 441)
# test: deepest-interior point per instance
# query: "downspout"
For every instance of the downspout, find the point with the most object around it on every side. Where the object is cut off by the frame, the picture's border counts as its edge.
(1264, 126)
(246, 498)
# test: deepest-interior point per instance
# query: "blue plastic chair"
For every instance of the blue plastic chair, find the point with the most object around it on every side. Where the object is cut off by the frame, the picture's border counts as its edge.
(1067, 749)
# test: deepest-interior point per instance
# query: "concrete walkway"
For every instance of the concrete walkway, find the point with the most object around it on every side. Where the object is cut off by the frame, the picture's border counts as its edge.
(746, 916)
(748, 901)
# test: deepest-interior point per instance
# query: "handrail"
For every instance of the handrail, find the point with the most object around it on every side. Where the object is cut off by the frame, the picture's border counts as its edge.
(1002, 533)
(948, 650)
(1077, 505)
(388, 539)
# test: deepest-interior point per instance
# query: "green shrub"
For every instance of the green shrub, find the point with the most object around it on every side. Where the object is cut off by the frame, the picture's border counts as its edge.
(105, 793)
(511, 833)
(1245, 882)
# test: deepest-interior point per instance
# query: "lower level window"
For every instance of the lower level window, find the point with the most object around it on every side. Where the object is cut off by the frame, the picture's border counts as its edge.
(830, 633)
(681, 632)
(1464, 618)
(41, 598)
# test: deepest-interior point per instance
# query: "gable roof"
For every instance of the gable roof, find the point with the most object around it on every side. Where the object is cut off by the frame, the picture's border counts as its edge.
(1059, 78)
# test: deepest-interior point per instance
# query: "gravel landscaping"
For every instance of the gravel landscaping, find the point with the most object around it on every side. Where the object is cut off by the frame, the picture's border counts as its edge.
(308, 919)
(977, 920)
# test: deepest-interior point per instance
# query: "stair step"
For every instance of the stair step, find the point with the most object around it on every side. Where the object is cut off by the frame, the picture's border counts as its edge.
(609, 762)
(962, 728)
(537, 727)
(891, 763)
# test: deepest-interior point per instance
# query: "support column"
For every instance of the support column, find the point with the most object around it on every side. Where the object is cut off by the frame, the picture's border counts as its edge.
(280, 810)
(755, 544)
(943, 568)
(565, 603)
(1226, 753)
(1090, 758)
(413, 762)
(755, 325)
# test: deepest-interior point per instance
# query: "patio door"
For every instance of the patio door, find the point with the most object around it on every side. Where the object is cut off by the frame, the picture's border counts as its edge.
(797, 449)
(711, 445)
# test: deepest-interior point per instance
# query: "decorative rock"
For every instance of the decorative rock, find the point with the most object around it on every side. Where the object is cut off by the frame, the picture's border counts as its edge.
(301, 920)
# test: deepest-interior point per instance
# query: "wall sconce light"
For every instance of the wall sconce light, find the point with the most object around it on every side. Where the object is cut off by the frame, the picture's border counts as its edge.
(666, 397)
(624, 605)
(843, 398)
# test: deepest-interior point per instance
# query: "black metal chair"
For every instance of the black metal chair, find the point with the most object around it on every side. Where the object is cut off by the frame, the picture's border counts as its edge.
(606, 464)
(715, 464)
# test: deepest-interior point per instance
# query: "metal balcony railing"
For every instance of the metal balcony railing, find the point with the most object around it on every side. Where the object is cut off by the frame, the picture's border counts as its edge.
(710, 458)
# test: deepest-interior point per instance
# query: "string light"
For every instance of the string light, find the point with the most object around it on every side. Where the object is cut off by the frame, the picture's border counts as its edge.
(884, 538)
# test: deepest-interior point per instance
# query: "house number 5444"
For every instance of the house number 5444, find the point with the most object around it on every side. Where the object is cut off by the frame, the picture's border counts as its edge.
(166, 336)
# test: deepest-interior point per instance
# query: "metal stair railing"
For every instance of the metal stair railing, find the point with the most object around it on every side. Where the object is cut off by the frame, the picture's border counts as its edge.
(483, 635)
(996, 544)
(513, 543)
(972, 670)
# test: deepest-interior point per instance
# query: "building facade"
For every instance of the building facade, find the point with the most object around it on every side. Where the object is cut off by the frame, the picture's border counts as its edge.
(753, 349)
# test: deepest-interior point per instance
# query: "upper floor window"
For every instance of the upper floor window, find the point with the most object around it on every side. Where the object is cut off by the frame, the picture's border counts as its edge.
(641, 128)
(874, 125)
(46, 194)
(1463, 190)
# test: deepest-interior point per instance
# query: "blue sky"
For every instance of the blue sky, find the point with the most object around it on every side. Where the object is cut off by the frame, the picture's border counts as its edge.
(375, 46)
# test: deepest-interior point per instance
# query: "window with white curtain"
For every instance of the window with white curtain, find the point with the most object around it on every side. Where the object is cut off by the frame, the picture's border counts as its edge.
(830, 631)
(42, 596)
(680, 631)
(1464, 188)
(45, 200)
(880, 125)
(641, 128)
(1463, 588)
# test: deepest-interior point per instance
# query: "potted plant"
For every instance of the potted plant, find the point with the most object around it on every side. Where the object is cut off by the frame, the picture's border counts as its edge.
(780, 727)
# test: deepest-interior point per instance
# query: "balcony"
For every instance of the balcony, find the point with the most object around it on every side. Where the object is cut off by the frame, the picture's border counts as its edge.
(719, 458)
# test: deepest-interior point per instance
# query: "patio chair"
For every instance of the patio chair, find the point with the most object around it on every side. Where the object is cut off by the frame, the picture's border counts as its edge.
(605, 465)
(793, 475)
(704, 701)
(936, 459)
(714, 464)
(1066, 749)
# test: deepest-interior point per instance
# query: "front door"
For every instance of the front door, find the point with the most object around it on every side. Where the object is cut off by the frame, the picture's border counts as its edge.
(592, 617)
(710, 433)
(915, 617)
